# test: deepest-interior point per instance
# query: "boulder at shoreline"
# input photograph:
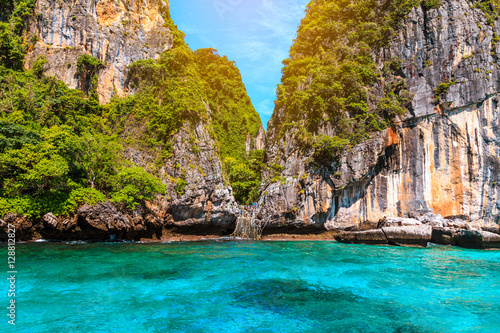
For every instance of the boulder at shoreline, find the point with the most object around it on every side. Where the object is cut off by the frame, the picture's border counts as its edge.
(422, 230)
(374, 236)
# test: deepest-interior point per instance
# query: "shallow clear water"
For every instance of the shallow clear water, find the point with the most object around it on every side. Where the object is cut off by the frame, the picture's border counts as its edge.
(254, 287)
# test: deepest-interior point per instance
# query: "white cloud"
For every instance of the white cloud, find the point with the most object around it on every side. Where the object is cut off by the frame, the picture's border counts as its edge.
(281, 17)
(265, 107)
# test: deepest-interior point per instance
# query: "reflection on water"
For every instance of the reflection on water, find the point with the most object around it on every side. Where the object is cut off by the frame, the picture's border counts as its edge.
(255, 287)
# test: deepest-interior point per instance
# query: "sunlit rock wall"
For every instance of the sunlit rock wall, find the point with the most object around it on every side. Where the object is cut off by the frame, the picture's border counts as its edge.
(117, 32)
(442, 156)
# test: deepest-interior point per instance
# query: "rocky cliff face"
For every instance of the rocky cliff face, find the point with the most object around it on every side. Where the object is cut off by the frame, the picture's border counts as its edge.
(116, 32)
(206, 202)
(443, 155)
(256, 143)
(198, 201)
(198, 198)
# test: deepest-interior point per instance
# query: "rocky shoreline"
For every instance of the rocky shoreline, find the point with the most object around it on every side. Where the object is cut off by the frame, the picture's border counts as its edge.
(104, 222)
(424, 229)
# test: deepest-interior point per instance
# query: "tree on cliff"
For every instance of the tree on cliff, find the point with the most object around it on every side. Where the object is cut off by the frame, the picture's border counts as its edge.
(60, 149)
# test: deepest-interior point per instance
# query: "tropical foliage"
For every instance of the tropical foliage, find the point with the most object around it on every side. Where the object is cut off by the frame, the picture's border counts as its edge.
(245, 176)
(331, 76)
(185, 85)
(60, 149)
(233, 114)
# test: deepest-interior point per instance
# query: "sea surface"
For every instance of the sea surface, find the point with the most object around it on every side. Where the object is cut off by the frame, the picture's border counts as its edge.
(253, 287)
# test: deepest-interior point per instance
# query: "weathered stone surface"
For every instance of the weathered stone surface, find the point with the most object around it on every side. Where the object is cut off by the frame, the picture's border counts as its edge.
(207, 204)
(435, 221)
(398, 222)
(458, 224)
(475, 239)
(467, 238)
(441, 158)
(24, 227)
(494, 228)
(420, 235)
(443, 236)
(490, 240)
(375, 236)
(439, 165)
(104, 221)
(50, 220)
(116, 32)
(257, 143)
(119, 33)
(104, 217)
(408, 236)
(429, 218)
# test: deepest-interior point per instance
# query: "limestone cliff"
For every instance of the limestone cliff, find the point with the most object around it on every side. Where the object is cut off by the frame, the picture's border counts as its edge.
(256, 143)
(204, 204)
(115, 32)
(442, 155)
(199, 198)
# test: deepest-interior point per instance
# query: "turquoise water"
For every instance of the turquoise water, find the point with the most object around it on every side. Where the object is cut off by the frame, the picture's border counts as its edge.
(254, 287)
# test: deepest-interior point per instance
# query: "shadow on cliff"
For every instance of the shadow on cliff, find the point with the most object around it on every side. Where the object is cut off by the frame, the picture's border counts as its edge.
(384, 162)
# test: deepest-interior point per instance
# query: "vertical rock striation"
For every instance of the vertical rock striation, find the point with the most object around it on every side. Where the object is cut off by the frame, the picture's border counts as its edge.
(115, 32)
(443, 156)
(206, 203)
(257, 142)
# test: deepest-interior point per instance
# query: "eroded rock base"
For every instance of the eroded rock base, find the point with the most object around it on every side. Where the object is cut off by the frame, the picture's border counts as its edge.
(420, 231)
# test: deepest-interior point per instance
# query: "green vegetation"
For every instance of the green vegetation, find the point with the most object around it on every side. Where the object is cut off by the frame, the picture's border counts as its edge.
(60, 149)
(191, 79)
(245, 176)
(180, 186)
(232, 111)
(326, 147)
(332, 78)
(442, 88)
(14, 39)
(180, 86)
(87, 68)
(491, 9)
(233, 118)
(57, 152)
(133, 185)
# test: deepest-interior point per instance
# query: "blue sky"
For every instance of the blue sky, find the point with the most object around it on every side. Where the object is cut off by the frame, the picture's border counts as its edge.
(257, 34)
